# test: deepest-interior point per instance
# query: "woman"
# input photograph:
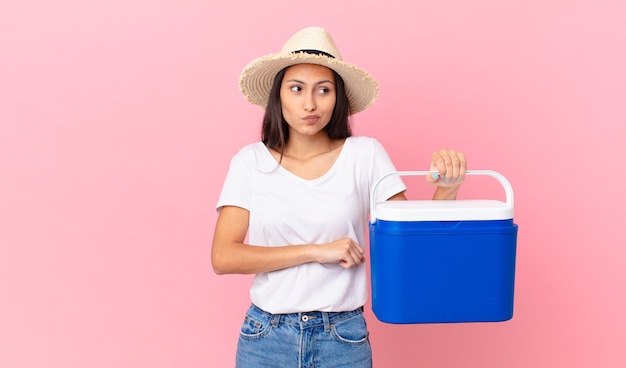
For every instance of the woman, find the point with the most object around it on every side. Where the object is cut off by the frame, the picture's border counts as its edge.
(301, 195)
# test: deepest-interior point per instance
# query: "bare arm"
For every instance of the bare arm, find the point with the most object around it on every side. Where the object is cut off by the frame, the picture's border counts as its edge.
(229, 253)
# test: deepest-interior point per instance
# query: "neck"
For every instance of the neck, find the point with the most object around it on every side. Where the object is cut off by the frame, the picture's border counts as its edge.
(303, 147)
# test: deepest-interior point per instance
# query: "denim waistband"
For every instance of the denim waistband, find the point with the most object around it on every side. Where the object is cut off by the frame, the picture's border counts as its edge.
(305, 319)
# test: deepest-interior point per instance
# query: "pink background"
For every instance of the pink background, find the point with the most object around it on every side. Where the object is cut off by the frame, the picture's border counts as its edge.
(118, 119)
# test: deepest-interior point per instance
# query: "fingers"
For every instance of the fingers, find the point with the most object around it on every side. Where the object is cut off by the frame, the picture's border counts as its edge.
(353, 255)
(450, 167)
(345, 251)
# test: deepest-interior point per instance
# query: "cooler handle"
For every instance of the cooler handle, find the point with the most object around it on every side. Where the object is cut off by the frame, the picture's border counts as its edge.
(508, 189)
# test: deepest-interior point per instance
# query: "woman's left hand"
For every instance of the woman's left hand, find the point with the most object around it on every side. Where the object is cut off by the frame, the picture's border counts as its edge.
(447, 168)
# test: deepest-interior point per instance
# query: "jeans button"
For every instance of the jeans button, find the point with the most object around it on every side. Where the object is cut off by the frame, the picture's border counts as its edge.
(305, 318)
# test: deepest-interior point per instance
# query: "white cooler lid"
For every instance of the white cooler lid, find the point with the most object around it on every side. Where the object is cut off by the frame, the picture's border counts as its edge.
(442, 210)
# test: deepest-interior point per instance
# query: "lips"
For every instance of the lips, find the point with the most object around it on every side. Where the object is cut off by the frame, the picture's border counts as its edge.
(311, 119)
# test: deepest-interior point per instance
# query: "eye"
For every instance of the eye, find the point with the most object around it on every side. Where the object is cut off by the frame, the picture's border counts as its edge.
(295, 88)
(324, 90)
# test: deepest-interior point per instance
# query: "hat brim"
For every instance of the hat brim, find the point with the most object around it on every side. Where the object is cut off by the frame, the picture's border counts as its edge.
(257, 78)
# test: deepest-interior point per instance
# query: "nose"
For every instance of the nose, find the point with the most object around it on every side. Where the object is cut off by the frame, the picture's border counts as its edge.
(309, 102)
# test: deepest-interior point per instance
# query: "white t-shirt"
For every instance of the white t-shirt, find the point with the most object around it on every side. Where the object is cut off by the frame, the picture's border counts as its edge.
(288, 210)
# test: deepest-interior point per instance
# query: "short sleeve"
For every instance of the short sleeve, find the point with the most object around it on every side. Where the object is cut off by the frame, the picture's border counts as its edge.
(236, 189)
(382, 165)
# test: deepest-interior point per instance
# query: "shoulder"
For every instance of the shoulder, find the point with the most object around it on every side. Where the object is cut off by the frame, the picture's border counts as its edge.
(254, 155)
(251, 152)
(369, 151)
(363, 143)
(250, 149)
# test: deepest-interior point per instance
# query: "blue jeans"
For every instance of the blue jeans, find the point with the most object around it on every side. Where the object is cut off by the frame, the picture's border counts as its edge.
(304, 340)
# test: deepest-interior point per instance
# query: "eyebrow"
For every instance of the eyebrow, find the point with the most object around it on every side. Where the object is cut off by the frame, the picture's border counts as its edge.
(302, 82)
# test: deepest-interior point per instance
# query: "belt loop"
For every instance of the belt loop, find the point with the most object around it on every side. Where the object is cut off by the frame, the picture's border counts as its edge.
(275, 320)
(326, 321)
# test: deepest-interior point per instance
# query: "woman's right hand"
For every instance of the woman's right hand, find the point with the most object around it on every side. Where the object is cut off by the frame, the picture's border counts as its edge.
(346, 252)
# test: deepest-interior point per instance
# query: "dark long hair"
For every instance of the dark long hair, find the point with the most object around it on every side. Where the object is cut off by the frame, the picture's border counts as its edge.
(275, 131)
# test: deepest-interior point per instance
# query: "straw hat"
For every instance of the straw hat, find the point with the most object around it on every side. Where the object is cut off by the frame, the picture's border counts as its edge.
(312, 45)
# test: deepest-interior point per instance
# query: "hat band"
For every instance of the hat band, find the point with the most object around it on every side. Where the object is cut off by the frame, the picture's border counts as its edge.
(314, 52)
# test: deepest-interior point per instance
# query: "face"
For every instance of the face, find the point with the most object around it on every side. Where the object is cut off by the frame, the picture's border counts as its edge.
(307, 96)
